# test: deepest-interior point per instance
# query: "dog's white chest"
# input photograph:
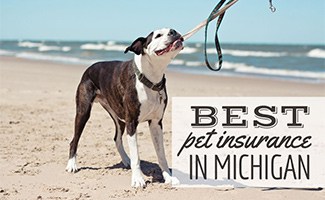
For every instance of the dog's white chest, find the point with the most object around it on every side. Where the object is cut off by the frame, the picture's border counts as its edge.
(152, 103)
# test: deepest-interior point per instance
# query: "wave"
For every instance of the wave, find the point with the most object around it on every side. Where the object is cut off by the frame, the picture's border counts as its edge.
(243, 68)
(194, 64)
(90, 46)
(115, 47)
(6, 53)
(29, 44)
(177, 62)
(241, 53)
(316, 53)
(37, 56)
(54, 48)
(188, 50)
(42, 47)
(111, 42)
(110, 46)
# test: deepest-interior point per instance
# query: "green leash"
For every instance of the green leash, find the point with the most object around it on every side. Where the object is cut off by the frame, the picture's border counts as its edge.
(216, 40)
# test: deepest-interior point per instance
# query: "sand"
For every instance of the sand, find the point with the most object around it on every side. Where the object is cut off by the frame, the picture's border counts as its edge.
(36, 125)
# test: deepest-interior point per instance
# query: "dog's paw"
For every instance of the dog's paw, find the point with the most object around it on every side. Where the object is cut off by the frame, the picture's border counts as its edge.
(137, 180)
(72, 165)
(170, 179)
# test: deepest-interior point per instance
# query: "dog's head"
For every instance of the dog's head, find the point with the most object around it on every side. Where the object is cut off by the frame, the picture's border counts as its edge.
(164, 42)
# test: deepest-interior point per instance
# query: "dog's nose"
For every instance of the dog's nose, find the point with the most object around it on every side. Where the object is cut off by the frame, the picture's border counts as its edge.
(172, 32)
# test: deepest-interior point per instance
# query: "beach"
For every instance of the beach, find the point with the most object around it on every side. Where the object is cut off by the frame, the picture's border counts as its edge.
(37, 120)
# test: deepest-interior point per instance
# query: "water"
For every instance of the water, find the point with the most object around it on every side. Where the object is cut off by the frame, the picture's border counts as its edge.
(291, 62)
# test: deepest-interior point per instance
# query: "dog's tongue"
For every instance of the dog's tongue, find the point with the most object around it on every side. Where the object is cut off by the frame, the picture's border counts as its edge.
(176, 44)
(165, 50)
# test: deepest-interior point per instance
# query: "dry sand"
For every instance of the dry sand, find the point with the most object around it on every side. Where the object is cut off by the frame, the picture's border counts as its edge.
(36, 125)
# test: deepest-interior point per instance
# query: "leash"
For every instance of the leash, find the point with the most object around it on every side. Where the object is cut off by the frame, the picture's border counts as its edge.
(216, 40)
(203, 23)
(216, 12)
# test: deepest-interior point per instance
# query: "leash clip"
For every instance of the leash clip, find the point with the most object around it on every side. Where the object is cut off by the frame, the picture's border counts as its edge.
(272, 8)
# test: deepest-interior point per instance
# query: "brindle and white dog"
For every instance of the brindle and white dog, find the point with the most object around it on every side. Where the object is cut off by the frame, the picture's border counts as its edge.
(131, 92)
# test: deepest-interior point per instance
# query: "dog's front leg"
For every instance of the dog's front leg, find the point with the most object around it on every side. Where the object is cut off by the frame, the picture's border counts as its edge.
(137, 176)
(158, 141)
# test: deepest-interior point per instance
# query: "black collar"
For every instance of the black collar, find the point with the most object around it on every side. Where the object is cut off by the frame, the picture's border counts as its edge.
(143, 79)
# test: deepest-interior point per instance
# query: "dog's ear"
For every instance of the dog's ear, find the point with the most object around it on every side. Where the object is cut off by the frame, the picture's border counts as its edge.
(137, 46)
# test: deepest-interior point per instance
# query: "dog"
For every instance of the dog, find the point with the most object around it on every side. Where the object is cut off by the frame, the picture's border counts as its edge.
(131, 92)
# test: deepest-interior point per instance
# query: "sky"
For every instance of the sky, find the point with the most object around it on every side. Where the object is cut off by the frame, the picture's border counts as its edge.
(248, 21)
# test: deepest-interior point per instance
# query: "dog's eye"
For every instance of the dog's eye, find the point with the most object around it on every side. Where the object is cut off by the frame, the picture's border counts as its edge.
(158, 35)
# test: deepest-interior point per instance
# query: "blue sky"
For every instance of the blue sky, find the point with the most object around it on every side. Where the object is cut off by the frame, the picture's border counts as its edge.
(248, 21)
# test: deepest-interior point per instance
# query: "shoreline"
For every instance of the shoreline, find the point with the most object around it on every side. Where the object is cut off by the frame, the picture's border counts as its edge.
(245, 76)
(36, 125)
(176, 70)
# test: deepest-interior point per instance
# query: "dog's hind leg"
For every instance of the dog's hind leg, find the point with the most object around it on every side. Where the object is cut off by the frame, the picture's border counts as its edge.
(86, 94)
(119, 129)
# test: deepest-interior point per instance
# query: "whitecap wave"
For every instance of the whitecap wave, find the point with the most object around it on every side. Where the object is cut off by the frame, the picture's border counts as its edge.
(54, 48)
(194, 63)
(115, 47)
(42, 47)
(198, 45)
(111, 42)
(6, 53)
(37, 56)
(29, 44)
(188, 50)
(241, 53)
(243, 68)
(90, 46)
(211, 51)
(316, 53)
(177, 62)
(110, 46)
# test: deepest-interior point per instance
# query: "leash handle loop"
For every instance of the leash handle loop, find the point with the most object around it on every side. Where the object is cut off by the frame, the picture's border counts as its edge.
(217, 44)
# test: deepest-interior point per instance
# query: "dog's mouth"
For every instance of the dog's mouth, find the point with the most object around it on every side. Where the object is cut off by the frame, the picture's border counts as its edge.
(177, 44)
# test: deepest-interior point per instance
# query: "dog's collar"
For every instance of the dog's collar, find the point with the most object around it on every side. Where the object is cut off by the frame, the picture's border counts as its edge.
(143, 79)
